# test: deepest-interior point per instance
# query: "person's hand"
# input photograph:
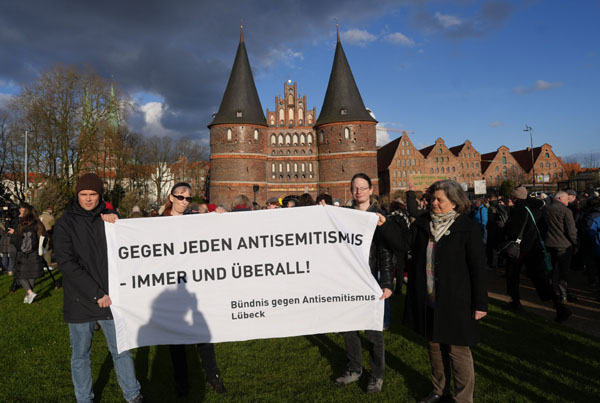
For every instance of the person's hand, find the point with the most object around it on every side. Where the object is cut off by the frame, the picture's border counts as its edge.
(105, 301)
(322, 203)
(11, 231)
(386, 293)
(220, 209)
(381, 219)
(111, 218)
(479, 315)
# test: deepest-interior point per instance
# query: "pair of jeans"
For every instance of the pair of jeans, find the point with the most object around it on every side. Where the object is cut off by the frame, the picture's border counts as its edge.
(376, 350)
(81, 370)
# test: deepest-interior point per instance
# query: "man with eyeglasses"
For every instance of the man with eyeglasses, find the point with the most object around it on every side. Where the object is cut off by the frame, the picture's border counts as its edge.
(80, 248)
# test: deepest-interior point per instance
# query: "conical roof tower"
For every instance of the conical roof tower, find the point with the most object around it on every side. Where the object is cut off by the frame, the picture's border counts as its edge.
(343, 102)
(346, 132)
(240, 102)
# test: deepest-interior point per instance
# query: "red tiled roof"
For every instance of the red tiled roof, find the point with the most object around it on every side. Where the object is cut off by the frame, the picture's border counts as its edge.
(385, 154)
(523, 157)
(485, 160)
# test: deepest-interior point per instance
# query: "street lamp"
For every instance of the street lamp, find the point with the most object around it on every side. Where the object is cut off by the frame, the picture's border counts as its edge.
(26, 159)
(530, 130)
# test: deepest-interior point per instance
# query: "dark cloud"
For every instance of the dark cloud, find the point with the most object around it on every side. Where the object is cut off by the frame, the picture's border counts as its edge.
(181, 51)
(490, 17)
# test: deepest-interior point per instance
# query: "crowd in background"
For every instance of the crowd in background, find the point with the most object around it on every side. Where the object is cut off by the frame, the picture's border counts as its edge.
(437, 242)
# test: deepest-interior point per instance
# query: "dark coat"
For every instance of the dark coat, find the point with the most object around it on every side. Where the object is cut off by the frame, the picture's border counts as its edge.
(29, 264)
(80, 250)
(518, 215)
(460, 282)
(381, 258)
(562, 232)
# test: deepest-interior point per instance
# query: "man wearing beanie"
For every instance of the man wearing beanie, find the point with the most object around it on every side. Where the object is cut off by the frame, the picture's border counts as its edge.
(527, 214)
(80, 248)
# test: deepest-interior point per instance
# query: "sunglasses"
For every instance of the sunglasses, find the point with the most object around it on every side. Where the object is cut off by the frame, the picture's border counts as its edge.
(182, 198)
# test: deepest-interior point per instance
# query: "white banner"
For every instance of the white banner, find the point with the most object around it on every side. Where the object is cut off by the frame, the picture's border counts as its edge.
(242, 276)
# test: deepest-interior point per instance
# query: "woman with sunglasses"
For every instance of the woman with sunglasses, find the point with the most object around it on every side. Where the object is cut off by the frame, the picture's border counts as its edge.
(178, 204)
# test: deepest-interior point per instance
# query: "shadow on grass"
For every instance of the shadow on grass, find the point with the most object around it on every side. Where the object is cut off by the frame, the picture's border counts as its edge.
(103, 377)
(331, 351)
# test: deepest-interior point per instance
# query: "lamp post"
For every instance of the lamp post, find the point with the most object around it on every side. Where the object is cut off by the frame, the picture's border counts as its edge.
(530, 130)
(26, 161)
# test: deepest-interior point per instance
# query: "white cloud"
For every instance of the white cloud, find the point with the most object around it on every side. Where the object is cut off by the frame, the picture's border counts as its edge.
(5, 100)
(496, 124)
(383, 137)
(153, 112)
(540, 85)
(287, 56)
(358, 37)
(399, 38)
(447, 21)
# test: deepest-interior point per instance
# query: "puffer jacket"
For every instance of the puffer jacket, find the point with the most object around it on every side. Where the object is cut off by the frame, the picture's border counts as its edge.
(80, 250)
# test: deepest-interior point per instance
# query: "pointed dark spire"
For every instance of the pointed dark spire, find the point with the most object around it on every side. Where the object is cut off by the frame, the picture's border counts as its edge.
(343, 102)
(240, 104)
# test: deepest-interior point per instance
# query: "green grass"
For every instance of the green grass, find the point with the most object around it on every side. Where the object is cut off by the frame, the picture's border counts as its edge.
(521, 359)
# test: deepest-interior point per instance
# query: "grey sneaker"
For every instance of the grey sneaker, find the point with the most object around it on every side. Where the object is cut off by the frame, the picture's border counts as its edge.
(138, 399)
(348, 378)
(375, 384)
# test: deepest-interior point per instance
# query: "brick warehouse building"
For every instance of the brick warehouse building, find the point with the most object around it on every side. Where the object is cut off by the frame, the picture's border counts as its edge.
(286, 153)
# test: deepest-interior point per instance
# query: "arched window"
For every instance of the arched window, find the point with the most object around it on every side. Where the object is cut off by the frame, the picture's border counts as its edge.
(414, 162)
(287, 167)
(547, 155)
(229, 135)
(295, 139)
(273, 167)
(280, 139)
(504, 170)
(309, 118)
(321, 137)
(295, 167)
(554, 164)
(541, 164)
(302, 139)
(436, 159)
(504, 160)
(346, 133)
(281, 167)
(255, 134)
(407, 152)
(272, 120)
(291, 115)
(281, 115)
(290, 99)
(300, 114)
(442, 169)
(547, 165)
(273, 139)
(402, 152)
(288, 140)
(309, 138)
(310, 167)
(303, 167)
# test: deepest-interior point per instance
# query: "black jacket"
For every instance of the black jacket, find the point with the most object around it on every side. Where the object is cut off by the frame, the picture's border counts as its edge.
(80, 250)
(562, 232)
(29, 263)
(381, 259)
(530, 242)
(460, 282)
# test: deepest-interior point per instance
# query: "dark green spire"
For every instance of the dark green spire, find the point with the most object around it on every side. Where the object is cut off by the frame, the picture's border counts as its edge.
(240, 104)
(343, 102)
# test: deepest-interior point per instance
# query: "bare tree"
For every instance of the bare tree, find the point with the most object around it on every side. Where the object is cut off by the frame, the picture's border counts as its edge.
(160, 154)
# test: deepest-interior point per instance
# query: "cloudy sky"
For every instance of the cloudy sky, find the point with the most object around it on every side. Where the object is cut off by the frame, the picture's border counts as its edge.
(456, 69)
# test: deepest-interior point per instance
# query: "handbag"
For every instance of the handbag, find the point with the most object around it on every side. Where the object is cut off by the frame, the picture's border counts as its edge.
(512, 249)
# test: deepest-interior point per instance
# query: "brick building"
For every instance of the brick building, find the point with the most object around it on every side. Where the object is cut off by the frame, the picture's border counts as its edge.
(547, 167)
(500, 165)
(288, 151)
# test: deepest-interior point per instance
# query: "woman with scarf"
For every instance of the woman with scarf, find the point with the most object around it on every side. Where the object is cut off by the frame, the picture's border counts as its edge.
(178, 204)
(447, 289)
(381, 264)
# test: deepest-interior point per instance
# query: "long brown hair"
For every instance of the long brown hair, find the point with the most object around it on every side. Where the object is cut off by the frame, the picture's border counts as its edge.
(29, 218)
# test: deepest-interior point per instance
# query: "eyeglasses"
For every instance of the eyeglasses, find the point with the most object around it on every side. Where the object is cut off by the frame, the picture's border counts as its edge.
(182, 198)
(356, 190)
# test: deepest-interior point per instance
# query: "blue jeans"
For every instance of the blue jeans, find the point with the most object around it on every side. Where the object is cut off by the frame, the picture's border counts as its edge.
(387, 314)
(81, 369)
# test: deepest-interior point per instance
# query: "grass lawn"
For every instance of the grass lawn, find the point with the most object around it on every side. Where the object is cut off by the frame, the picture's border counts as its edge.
(521, 359)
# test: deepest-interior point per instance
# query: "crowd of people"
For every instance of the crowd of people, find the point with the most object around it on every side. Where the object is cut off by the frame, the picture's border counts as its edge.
(438, 242)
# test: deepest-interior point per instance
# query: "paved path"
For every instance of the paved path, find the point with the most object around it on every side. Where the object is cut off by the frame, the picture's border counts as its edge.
(586, 311)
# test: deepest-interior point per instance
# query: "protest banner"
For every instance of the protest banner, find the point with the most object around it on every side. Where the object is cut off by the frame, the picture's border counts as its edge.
(242, 276)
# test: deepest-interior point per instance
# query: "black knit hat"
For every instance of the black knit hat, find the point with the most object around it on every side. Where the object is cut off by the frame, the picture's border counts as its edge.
(89, 181)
